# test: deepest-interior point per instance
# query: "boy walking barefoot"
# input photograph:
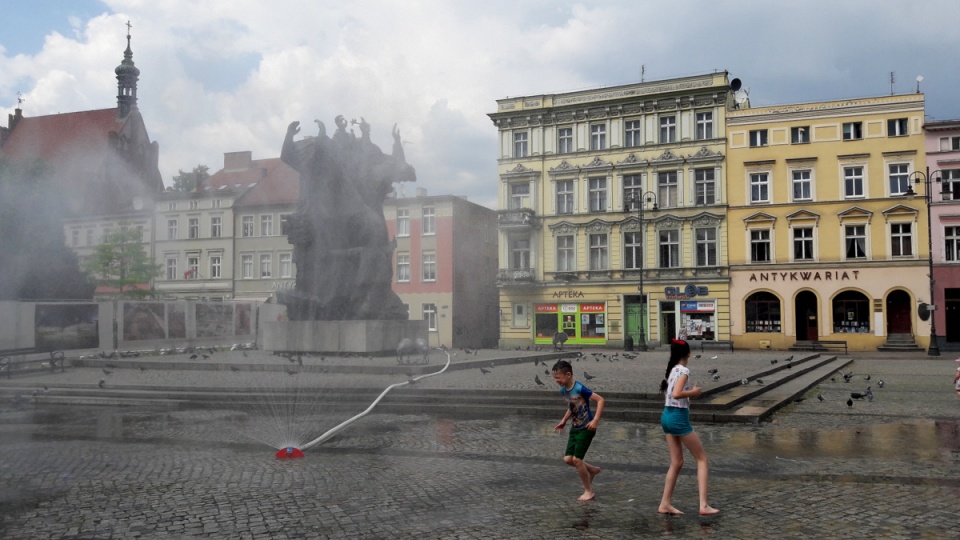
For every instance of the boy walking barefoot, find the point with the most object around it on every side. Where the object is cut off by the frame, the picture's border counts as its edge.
(584, 426)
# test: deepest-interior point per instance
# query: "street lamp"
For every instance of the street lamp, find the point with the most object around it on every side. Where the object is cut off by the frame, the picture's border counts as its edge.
(927, 179)
(641, 200)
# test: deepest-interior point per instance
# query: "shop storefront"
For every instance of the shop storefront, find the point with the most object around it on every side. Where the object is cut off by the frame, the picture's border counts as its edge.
(698, 320)
(583, 323)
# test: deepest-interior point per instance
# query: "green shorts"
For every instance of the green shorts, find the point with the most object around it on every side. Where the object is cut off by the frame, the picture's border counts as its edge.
(579, 442)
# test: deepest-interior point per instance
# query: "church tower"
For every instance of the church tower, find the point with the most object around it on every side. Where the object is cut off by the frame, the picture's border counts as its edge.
(127, 76)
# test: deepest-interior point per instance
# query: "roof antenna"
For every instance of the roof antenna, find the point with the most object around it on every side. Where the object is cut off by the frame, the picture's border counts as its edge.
(893, 79)
(919, 79)
(643, 71)
(20, 99)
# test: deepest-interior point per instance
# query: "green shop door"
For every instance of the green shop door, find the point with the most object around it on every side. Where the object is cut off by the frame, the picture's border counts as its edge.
(632, 327)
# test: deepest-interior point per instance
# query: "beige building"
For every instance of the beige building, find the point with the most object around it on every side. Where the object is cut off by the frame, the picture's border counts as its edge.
(824, 243)
(575, 248)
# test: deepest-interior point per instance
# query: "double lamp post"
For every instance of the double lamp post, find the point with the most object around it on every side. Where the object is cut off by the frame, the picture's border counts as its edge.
(641, 200)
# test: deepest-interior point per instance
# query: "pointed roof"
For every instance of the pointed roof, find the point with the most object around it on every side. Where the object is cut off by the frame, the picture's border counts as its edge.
(55, 137)
(261, 182)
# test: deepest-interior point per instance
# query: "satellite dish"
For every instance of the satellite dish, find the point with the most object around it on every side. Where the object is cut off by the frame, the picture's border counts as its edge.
(735, 84)
(923, 311)
(740, 97)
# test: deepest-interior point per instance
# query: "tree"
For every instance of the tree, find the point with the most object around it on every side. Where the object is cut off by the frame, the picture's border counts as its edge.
(189, 181)
(35, 264)
(121, 263)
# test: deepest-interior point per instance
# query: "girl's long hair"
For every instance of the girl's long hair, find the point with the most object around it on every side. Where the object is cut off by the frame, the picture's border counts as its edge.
(678, 349)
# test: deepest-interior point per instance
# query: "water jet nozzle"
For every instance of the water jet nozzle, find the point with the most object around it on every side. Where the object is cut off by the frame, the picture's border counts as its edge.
(289, 453)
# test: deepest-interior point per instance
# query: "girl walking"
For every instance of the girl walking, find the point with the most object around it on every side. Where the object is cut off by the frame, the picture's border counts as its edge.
(675, 422)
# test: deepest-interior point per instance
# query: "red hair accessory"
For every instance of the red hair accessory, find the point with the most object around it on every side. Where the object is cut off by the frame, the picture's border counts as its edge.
(678, 341)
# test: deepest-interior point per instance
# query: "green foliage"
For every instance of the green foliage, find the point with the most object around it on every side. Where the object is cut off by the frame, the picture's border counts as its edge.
(35, 264)
(121, 262)
(189, 181)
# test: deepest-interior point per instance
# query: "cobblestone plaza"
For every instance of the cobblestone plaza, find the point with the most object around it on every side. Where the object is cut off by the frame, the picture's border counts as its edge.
(820, 469)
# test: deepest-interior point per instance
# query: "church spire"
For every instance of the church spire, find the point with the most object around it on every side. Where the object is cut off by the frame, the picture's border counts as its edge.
(127, 76)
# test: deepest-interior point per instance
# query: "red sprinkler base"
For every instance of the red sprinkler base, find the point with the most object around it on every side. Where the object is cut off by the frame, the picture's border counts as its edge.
(289, 453)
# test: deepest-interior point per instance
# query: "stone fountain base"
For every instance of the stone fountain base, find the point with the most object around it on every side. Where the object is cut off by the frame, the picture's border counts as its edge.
(366, 337)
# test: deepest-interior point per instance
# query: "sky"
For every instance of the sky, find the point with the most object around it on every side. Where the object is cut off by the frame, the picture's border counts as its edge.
(221, 76)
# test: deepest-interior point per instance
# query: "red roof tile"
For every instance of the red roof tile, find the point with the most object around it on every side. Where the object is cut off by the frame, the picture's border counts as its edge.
(60, 136)
(266, 182)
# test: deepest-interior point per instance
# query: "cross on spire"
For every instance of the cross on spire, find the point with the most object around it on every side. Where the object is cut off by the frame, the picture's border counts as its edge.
(129, 26)
(20, 99)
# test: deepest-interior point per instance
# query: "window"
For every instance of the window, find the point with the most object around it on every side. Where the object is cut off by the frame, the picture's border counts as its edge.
(901, 240)
(520, 253)
(949, 143)
(668, 129)
(171, 267)
(852, 131)
(632, 188)
(285, 221)
(760, 246)
(564, 196)
(403, 222)
(171, 206)
(266, 265)
(216, 226)
(705, 186)
(951, 184)
(704, 125)
(565, 140)
(853, 182)
(598, 252)
(286, 265)
(246, 266)
(105, 235)
(246, 226)
(633, 250)
(631, 133)
(215, 266)
(171, 229)
(667, 191)
(194, 205)
(428, 264)
(266, 225)
(193, 227)
(803, 244)
(800, 135)
(759, 187)
(193, 268)
(403, 267)
(519, 196)
(897, 127)
(430, 315)
(75, 237)
(762, 311)
(758, 137)
(802, 186)
(951, 250)
(706, 247)
(566, 254)
(669, 249)
(598, 137)
(851, 313)
(856, 241)
(520, 144)
(429, 224)
(899, 178)
(89, 237)
(598, 194)
(215, 204)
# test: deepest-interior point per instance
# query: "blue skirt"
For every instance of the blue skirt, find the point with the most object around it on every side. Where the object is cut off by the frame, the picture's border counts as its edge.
(676, 421)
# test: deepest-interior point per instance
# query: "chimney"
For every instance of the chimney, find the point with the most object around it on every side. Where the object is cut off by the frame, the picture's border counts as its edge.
(237, 161)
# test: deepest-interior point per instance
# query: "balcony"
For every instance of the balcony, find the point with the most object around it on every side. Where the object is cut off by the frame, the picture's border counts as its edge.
(518, 219)
(515, 276)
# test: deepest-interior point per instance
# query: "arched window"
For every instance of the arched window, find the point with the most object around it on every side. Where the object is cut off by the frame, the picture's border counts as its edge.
(851, 313)
(763, 312)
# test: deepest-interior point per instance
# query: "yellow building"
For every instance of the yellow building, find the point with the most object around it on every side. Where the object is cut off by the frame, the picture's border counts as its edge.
(824, 244)
(574, 250)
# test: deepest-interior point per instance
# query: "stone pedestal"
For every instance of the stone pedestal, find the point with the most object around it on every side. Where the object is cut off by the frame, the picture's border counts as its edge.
(367, 337)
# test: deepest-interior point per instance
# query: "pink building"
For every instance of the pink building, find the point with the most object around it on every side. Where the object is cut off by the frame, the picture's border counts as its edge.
(943, 162)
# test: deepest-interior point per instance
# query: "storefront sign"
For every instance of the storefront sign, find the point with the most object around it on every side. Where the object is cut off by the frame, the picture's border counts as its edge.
(568, 294)
(284, 285)
(545, 308)
(568, 308)
(708, 307)
(691, 290)
(591, 308)
(827, 275)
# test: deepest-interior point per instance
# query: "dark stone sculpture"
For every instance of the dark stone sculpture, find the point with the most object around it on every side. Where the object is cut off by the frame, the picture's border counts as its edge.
(340, 242)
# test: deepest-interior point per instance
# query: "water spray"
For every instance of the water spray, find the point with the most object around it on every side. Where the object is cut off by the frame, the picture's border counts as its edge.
(294, 452)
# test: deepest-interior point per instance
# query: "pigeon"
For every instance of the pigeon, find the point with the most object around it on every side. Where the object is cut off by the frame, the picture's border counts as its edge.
(193, 356)
(588, 376)
(880, 383)
(714, 357)
(716, 377)
(546, 372)
(536, 379)
(850, 402)
(712, 371)
(867, 378)
(760, 382)
(697, 356)
(774, 361)
(102, 383)
(235, 347)
(205, 356)
(106, 371)
(744, 381)
(290, 372)
(484, 371)
(789, 366)
(857, 395)
(819, 397)
(234, 368)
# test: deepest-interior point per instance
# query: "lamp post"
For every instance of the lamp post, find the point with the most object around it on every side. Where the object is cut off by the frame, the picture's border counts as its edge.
(927, 179)
(641, 199)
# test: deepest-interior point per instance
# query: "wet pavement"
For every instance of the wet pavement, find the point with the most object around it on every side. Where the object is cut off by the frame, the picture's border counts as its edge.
(887, 468)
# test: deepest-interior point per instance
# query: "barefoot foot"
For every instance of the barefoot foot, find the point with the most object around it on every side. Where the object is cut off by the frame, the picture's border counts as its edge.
(708, 511)
(587, 496)
(669, 510)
